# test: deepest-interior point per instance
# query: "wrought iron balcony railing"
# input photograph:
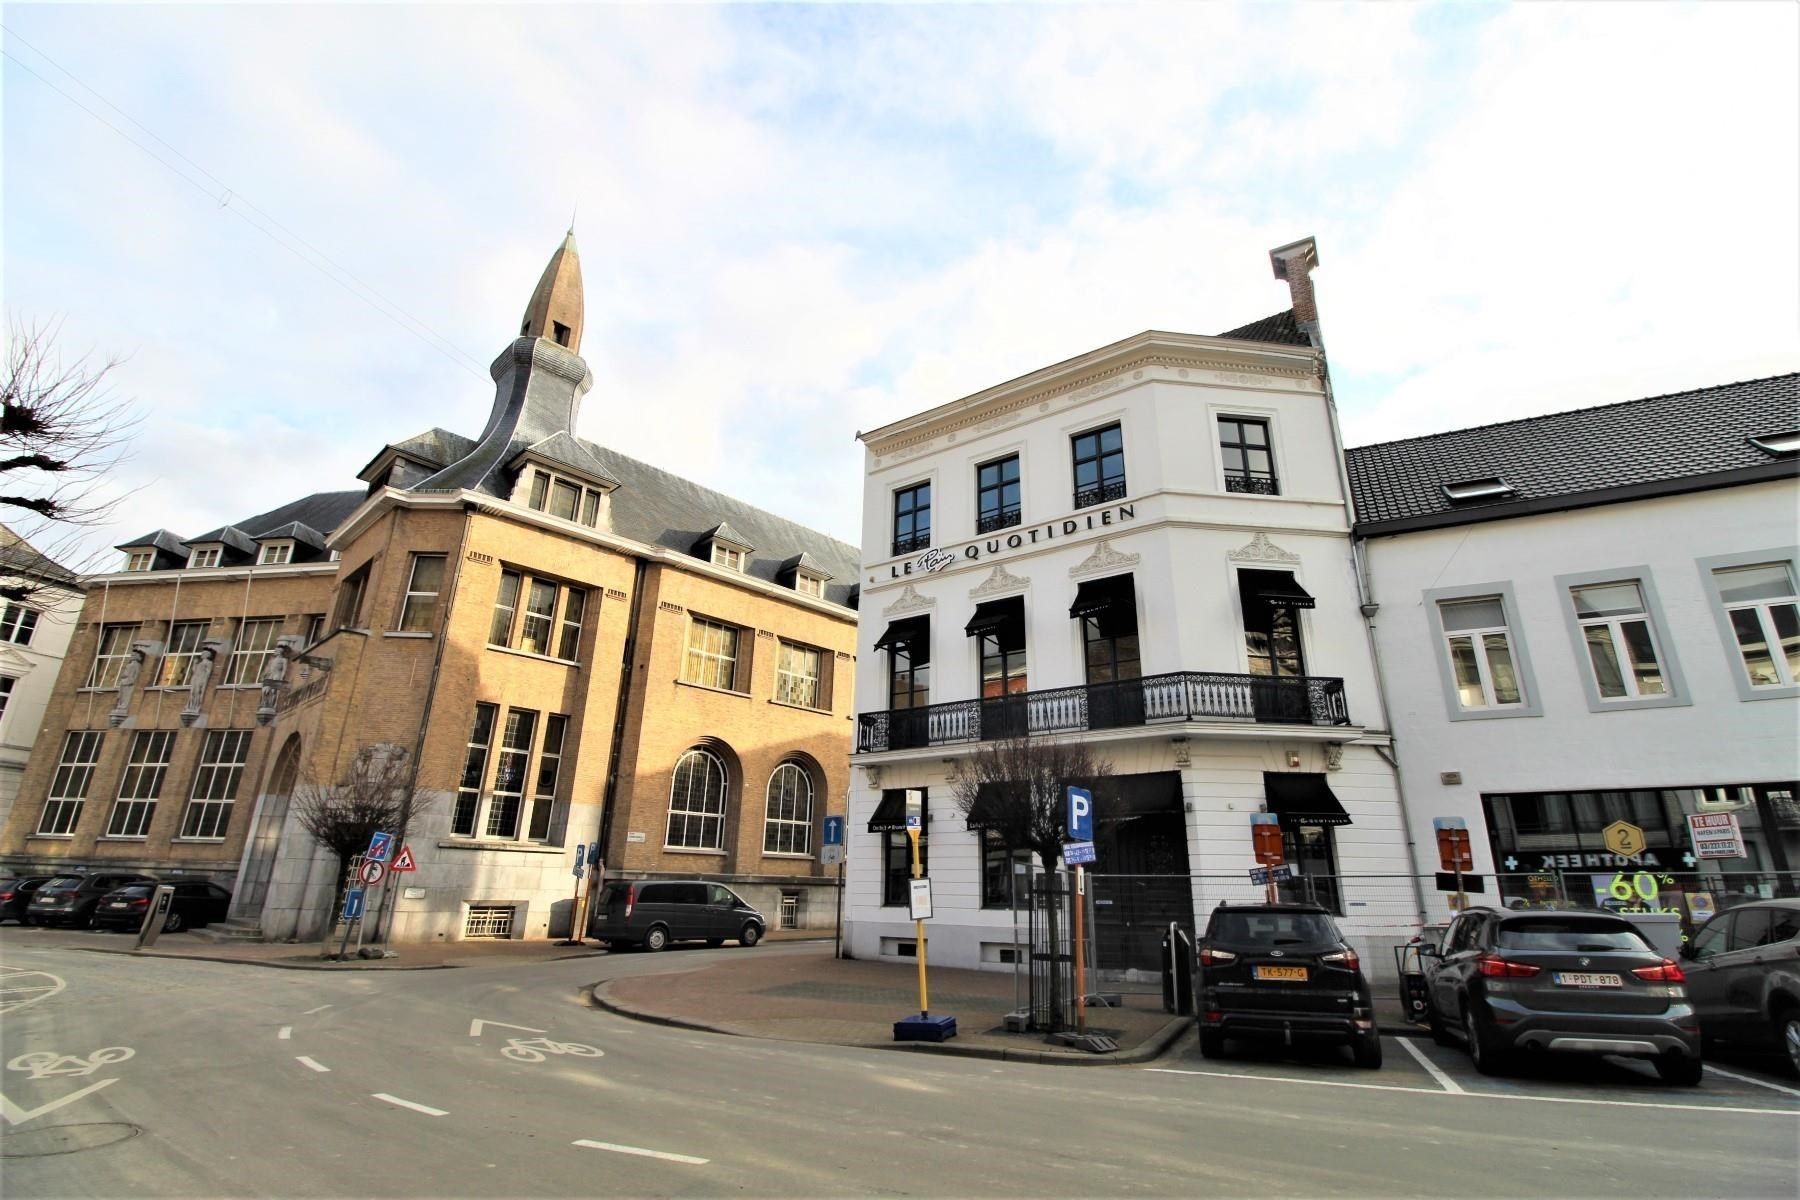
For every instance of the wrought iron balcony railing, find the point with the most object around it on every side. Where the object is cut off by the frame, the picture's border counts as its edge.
(1152, 700)
(1252, 484)
(912, 542)
(1003, 518)
(1100, 493)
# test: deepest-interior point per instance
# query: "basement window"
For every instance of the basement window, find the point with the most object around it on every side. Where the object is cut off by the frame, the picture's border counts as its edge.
(1479, 489)
(1777, 443)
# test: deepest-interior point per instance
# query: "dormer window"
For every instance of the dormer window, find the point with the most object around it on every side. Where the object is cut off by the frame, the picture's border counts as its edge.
(140, 560)
(204, 556)
(276, 554)
(564, 498)
(729, 557)
(809, 585)
(1470, 490)
(1778, 444)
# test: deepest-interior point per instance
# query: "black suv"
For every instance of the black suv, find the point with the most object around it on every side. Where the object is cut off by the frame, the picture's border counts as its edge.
(1562, 981)
(1743, 970)
(71, 899)
(15, 895)
(1283, 972)
(195, 902)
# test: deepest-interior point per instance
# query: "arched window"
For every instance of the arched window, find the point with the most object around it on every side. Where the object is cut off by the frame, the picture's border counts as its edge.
(697, 802)
(787, 827)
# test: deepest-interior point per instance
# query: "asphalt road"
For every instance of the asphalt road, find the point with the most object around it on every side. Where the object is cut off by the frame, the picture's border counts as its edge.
(244, 1081)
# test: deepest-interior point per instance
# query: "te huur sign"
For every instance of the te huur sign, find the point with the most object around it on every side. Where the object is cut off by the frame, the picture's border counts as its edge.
(935, 559)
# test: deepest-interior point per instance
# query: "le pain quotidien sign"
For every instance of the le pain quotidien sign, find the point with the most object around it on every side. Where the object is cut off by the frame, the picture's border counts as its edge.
(935, 559)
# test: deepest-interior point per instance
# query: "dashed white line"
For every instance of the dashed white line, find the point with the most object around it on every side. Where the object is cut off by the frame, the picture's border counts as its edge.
(287, 1031)
(640, 1152)
(1435, 1071)
(424, 1108)
(1752, 1079)
(309, 1012)
(314, 1063)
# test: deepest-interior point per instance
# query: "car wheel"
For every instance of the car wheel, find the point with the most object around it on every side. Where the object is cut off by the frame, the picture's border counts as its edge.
(657, 938)
(1440, 1032)
(750, 934)
(1787, 1027)
(1367, 1051)
(1681, 1071)
(1487, 1059)
(1212, 1044)
(172, 923)
(715, 943)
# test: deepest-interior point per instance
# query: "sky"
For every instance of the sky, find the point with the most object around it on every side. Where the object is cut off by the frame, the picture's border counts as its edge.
(801, 221)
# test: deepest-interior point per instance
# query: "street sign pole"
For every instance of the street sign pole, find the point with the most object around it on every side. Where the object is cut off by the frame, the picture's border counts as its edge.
(837, 936)
(1080, 966)
(912, 833)
(574, 938)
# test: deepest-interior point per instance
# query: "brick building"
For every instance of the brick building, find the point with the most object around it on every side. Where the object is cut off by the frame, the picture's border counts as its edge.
(570, 645)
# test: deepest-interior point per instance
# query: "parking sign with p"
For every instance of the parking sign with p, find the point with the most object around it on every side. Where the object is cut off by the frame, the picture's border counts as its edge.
(1081, 815)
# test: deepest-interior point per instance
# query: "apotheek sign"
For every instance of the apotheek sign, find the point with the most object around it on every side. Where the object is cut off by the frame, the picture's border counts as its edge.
(935, 559)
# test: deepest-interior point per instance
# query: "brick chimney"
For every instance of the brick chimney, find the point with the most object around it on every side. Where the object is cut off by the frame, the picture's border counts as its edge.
(1294, 265)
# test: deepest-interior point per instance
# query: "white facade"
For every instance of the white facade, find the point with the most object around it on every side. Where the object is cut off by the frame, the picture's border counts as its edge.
(34, 636)
(1186, 540)
(1697, 724)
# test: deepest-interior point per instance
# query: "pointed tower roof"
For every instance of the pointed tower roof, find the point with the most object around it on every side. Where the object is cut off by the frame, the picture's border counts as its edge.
(556, 305)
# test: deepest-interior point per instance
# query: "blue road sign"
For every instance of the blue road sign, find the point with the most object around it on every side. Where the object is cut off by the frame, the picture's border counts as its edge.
(1078, 852)
(380, 846)
(1081, 815)
(593, 854)
(353, 904)
(580, 858)
(1280, 874)
(834, 831)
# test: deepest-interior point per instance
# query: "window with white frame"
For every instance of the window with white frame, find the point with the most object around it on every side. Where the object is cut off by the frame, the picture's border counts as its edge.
(348, 611)
(568, 639)
(69, 786)
(474, 773)
(564, 498)
(1761, 604)
(543, 796)
(184, 648)
(204, 556)
(418, 612)
(141, 783)
(787, 822)
(797, 672)
(507, 798)
(255, 643)
(140, 560)
(712, 654)
(314, 629)
(809, 585)
(275, 554)
(222, 758)
(6, 689)
(697, 802)
(728, 556)
(110, 653)
(538, 616)
(1615, 626)
(17, 624)
(1480, 649)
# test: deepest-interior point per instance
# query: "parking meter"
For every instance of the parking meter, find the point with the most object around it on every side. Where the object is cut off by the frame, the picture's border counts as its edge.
(153, 920)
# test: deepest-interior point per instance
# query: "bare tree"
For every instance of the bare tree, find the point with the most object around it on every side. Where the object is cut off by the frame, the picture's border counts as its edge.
(1017, 787)
(378, 791)
(62, 431)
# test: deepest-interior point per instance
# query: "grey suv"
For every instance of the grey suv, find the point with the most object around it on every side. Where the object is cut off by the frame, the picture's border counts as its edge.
(1575, 982)
(653, 914)
(1743, 970)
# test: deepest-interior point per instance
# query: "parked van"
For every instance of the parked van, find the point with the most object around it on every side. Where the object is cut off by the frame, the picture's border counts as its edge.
(654, 913)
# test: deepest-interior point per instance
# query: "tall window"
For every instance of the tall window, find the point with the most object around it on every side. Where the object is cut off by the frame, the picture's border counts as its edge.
(697, 802)
(222, 758)
(141, 783)
(787, 823)
(276, 554)
(1312, 849)
(568, 641)
(546, 604)
(1480, 648)
(6, 687)
(1003, 655)
(997, 494)
(909, 671)
(1621, 649)
(255, 643)
(184, 647)
(1765, 618)
(564, 498)
(997, 870)
(418, 613)
(350, 599)
(1110, 645)
(474, 774)
(314, 629)
(17, 624)
(543, 796)
(110, 655)
(506, 609)
(797, 676)
(1249, 463)
(510, 774)
(1099, 466)
(712, 654)
(912, 518)
(69, 786)
(540, 616)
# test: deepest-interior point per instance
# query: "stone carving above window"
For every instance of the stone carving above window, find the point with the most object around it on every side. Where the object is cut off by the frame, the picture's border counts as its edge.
(999, 583)
(1261, 549)
(1103, 559)
(909, 601)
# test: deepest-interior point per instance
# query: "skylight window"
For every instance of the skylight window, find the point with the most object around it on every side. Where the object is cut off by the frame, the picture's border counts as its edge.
(1777, 443)
(1478, 489)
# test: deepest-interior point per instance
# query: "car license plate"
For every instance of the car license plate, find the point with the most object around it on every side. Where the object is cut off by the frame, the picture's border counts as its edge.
(118, 904)
(1586, 979)
(1296, 974)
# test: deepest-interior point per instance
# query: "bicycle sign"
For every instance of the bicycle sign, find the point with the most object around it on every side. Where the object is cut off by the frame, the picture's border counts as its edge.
(534, 1050)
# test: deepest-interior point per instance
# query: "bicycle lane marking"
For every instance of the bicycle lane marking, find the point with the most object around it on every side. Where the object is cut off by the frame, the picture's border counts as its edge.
(1435, 1071)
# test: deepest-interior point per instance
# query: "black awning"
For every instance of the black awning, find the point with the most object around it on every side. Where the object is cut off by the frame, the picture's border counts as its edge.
(996, 615)
(986, 812)
(1277, 588)
(1097, 596)
(1302, 798)
(890, 814)
(904, 632)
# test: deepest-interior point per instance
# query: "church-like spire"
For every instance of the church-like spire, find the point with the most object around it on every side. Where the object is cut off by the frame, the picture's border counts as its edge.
(556, 304)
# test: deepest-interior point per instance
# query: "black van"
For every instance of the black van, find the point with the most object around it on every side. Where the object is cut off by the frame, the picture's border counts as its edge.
(653, 914)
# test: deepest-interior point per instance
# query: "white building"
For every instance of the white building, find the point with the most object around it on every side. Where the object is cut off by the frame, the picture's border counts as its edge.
(1145, 547)
(39, 602)
(1590, 617)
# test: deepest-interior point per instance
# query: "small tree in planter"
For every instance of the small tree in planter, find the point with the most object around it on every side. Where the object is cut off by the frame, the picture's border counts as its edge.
(378, 791)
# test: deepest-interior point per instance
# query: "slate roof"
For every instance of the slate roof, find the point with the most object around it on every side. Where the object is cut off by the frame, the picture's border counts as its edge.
(569, 451)
(226, 535)
(323, 511)
(300, 531)
(159, 539)
(438, 447)
(1656, 445)
(1280, 328)
(20, 556)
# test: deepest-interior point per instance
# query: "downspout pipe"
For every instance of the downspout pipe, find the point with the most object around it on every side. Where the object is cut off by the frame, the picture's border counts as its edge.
(621, 708)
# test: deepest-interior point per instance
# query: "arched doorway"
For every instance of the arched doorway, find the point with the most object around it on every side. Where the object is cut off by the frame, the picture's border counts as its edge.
(265, 834)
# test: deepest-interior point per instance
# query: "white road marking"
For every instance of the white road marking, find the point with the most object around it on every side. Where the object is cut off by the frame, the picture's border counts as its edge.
(424, 1108)
(13, 1114)
(21, 990)
(476, 1026)
(642, 1153)
(287, 1031)
(1383, 1087)
(314, 1063)
(1436, 1072)
(309, 1012)
(1753, 1079)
